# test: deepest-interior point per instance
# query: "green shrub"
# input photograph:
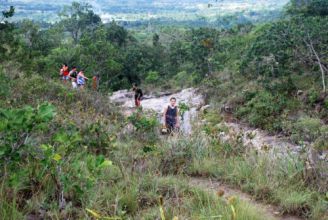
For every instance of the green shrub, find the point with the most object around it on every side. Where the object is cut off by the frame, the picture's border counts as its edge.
(306, 129)
(98, 136)
(142, 122)
(313, 96)
(18, 125)
(185, 79)
(152, 77)
(325, 104)
(321, 143)
(262, 110)
(146, 126)
(5, 83)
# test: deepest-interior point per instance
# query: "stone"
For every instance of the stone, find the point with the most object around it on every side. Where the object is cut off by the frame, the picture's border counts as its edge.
(204, 108)
(300, 92)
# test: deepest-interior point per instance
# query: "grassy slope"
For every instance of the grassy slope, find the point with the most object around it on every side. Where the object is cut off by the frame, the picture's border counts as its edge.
(83, 155)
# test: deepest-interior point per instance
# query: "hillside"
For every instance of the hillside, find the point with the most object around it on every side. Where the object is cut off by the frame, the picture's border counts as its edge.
(249, 131)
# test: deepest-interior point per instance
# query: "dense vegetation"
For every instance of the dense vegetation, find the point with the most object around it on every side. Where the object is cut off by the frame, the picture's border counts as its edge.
(69, 153)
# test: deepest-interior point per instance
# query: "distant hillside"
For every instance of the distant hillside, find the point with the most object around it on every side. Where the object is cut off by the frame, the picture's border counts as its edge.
(145, 10)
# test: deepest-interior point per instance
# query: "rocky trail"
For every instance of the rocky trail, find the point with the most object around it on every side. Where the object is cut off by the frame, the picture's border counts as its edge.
(250, 137)
(158, 102)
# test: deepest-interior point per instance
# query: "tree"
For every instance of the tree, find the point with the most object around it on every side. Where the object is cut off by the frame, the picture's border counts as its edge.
(7, 38)
(270, 54)
(155, 40)
(30, 34)
(116, 34)
(288, 46)
(78, 18)
(204, 42)
(312, 44)
(99, 56)
(308, 7)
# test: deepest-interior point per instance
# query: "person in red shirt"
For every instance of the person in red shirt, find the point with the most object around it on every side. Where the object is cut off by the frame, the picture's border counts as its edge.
(95, 82)
(64, 72)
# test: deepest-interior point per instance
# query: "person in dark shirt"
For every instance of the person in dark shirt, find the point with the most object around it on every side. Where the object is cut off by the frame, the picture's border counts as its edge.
(171, 116)
(73, 76)
(137, 95)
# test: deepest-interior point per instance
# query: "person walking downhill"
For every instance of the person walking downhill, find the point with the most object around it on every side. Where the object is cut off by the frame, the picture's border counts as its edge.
(81, 78)
(73, 76)
(171, 116)
(64, 72)
(137, 95)
(95, 82)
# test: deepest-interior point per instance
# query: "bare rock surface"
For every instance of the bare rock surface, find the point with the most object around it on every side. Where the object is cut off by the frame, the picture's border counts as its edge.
(157, 103)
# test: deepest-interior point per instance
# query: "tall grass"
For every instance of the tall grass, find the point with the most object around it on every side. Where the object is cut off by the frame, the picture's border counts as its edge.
(275, 180)
(83, 162)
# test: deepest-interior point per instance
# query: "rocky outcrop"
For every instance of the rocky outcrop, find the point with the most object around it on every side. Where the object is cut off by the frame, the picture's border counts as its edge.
(157, 103)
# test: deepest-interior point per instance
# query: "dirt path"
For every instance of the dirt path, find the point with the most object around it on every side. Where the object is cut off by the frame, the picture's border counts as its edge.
(269, 211)
(253, 138)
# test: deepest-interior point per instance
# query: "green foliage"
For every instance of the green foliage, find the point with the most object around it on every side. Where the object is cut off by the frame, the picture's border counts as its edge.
(262, 109)
(79, 18)
(117, 34)
(311, 130)
(269, 53)
(4, 86)
(308, 8)
(152, 77)
(98, 137)
(70, 162)
(143, 123)
(184, 79)
(313, 96)
(7, 37)
(183, 107)
(17, 125)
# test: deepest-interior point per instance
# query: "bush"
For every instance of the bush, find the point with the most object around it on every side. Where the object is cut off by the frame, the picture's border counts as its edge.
(145, 125)
(4, 86)
(18, 125)
(184, 79)
(306, 129)
(262, 110)
(321, 143)
(152, 77)
(313, 96)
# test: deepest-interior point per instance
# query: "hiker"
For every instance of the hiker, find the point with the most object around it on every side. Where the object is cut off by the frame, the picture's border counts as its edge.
(73, 77)
(137, 95)
(81, 79)
(64, 72)
(95, 82)
(171, 116)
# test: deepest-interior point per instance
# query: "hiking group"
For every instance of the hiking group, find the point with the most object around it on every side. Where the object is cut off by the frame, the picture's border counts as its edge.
(171, 121)
(77, 78)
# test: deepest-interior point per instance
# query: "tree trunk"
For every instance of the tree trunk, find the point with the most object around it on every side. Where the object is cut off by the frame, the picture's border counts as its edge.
(310, 45)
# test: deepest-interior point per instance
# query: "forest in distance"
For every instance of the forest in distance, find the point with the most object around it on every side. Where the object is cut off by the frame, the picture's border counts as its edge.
(139, 13)
(245, 137)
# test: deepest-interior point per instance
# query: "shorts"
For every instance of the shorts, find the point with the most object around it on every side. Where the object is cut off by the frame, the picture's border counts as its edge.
(137, 102)
(65, 77)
